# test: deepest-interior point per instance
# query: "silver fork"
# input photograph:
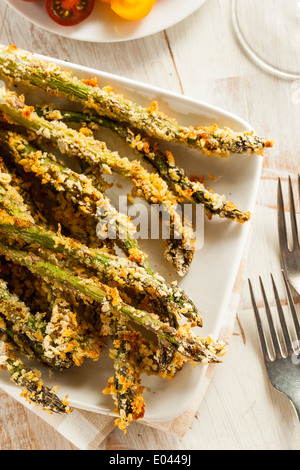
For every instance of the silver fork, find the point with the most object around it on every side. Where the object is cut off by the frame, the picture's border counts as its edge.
(290, 256)
(283, 369)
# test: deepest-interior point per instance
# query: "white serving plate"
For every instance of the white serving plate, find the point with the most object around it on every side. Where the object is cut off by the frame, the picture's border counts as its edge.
(213, 273)
(104, 25)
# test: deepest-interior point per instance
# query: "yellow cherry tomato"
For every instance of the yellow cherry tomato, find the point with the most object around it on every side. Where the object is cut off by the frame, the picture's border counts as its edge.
(132, 9)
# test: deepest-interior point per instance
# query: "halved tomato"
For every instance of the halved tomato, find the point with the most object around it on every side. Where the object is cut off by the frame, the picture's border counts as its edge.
(69, 12)
(132, 9)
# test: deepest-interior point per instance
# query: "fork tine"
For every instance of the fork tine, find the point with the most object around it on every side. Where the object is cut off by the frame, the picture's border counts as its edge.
(293, 216)
(271, 323)
(284, 327)
(292, 307)
(281, 219)
(259, 326)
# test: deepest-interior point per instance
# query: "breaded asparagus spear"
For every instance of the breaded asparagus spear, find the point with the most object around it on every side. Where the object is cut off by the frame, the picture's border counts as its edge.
(196, 348)
(34, 389)
(20, 341)
(18, 313)
(152, 359)
(133, 355)
(20, 66)
(32, 326)
(125, 386)
(214, 204)
(61, 342)
(181, 242)
(66, 335)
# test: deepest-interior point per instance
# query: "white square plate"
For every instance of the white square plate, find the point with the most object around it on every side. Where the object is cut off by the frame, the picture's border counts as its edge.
(213, 273)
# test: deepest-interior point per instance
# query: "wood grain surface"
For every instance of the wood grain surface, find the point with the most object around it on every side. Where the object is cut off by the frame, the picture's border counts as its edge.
(201, 58)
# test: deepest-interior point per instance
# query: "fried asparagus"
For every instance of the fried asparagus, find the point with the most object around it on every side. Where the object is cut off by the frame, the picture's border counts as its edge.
(58, 343)
(198, 349)
(181, 184)
(17, 222)
(62, 341)
(20, 66)
(34, 389)
(111, 269)
(78, 188)
(18, 313)
(181, 241)
(67, 335)
(125, 386)
(20, 341)
(151, 359)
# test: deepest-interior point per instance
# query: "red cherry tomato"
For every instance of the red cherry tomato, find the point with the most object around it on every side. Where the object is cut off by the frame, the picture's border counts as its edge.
(69, 12)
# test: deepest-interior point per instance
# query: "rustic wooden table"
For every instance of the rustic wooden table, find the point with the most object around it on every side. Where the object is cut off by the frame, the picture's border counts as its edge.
(201, 58)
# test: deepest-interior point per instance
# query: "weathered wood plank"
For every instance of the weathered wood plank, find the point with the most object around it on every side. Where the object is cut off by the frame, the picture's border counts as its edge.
(21, 429)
